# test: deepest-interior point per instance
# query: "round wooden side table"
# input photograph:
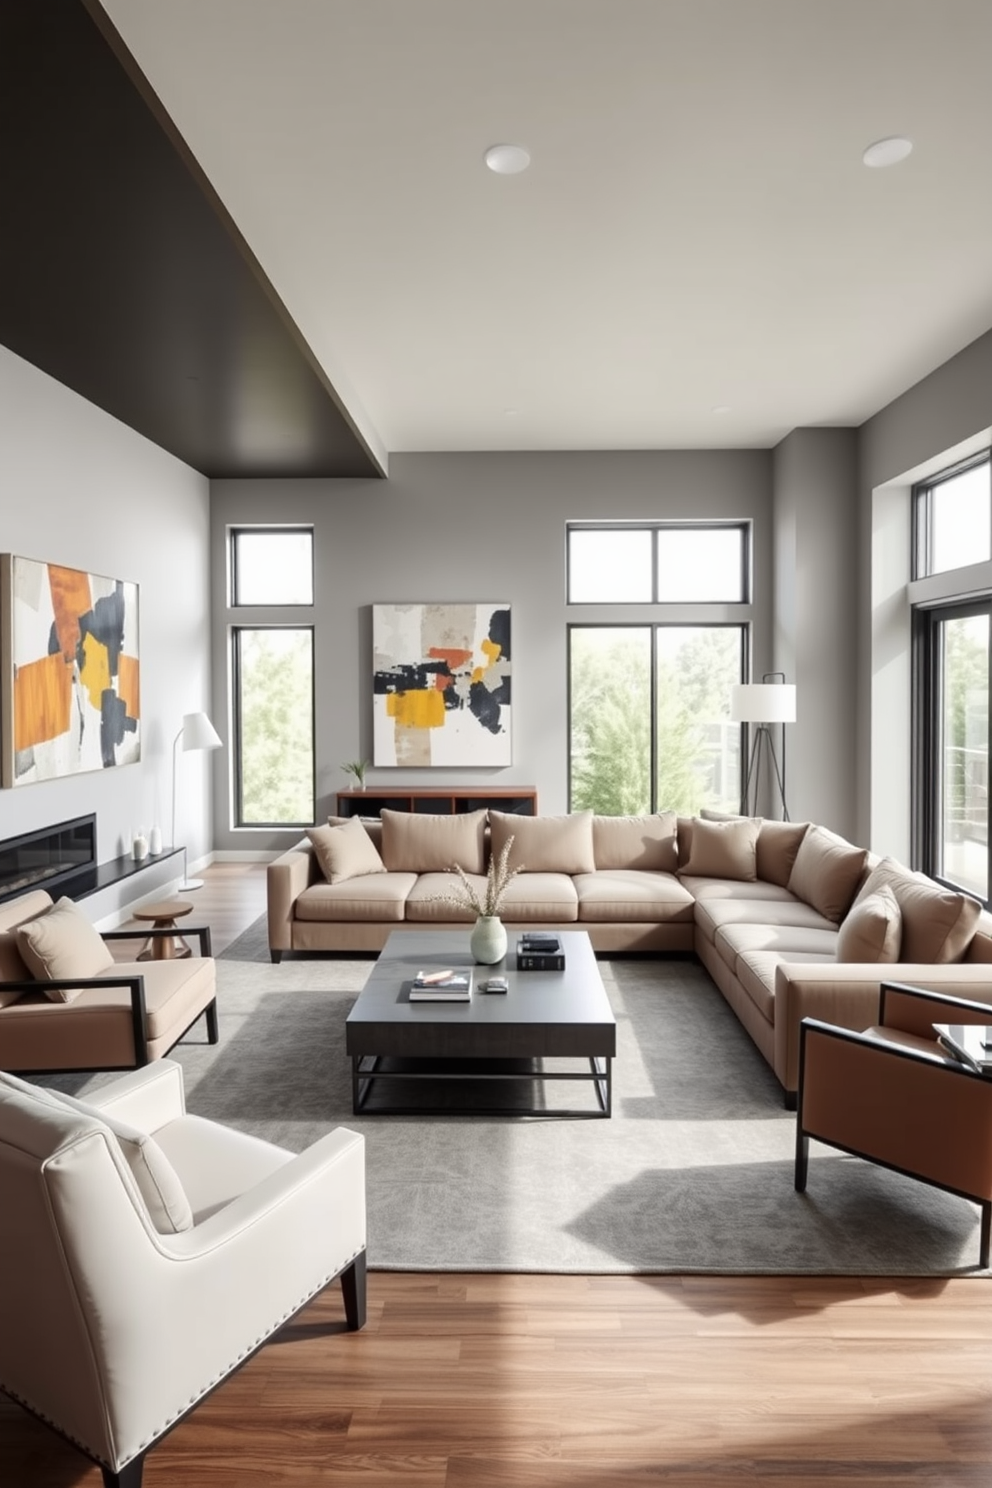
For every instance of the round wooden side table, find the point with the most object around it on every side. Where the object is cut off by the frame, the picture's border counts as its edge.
(164, 916)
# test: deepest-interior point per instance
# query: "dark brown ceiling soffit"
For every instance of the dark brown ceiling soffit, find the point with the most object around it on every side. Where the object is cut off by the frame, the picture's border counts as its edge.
(123, 276)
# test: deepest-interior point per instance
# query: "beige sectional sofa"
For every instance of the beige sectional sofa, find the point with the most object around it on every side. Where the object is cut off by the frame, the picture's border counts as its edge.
(789, 919)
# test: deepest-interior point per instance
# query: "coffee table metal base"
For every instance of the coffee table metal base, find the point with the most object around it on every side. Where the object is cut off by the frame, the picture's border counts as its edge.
(367, 1071)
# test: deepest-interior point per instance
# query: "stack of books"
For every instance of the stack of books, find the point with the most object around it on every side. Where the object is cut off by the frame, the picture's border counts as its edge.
(540, 951)
(441, 986)
(970, 1044)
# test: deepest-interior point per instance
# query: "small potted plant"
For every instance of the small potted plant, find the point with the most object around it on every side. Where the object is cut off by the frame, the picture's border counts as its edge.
(488, 939)
(356, 768)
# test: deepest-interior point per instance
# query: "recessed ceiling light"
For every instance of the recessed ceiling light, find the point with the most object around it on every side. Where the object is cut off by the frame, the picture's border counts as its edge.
(507, 160)
(887, 151)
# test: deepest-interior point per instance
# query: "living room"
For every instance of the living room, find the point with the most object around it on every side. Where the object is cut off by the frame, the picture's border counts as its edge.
(829, 500)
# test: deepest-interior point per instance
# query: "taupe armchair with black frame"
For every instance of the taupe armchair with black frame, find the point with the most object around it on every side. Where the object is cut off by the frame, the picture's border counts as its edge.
(893, 1096)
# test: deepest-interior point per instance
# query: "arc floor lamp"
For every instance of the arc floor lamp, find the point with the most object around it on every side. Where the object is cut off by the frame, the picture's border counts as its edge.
(197, 732)
(770, 701)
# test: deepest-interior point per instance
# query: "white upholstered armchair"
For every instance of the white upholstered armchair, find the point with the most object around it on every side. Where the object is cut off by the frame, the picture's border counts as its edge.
(146, 1253)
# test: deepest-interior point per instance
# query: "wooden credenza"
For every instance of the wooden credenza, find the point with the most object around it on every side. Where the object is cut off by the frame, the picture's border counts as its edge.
(442, 800)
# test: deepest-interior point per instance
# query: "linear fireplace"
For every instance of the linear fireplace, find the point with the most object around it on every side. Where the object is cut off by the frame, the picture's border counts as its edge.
(61, 857)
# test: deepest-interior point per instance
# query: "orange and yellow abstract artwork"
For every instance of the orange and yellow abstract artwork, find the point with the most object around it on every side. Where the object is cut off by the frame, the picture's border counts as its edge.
(69, 670)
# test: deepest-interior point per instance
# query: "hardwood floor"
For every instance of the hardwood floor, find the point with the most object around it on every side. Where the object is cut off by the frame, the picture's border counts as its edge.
(501, 1381)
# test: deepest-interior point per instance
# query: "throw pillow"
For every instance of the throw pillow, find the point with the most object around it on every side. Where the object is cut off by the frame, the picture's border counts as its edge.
(938, 924)
(545, 844)
(413, 842)
(827, 872)
(345, 852)
(872, 928)
(62, 943)
(156, 1178)
(778, 846)
(724, 849)
(635, 842)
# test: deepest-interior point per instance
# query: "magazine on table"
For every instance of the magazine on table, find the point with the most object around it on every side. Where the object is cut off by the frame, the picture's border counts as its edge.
(441, 986)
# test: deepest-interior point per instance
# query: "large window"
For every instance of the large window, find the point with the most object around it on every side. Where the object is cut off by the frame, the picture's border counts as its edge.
(273, 709)
(649, 718)
(952, 630)
(272, 666)
(649, 690)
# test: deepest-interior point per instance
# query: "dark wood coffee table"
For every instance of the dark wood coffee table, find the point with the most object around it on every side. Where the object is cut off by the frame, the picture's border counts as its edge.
(490, 1041)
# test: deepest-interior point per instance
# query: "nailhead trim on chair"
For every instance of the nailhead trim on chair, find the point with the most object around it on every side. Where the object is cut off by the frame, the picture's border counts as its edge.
(102, 1461)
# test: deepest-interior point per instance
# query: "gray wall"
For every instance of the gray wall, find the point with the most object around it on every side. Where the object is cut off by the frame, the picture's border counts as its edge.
(81, 489)
(937, 421)
(816, 592)
(476, 526)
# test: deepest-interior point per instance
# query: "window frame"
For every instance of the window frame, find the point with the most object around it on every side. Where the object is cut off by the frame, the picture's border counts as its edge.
(744, 525)
(921, 557)
(236, 630)
(263, 529)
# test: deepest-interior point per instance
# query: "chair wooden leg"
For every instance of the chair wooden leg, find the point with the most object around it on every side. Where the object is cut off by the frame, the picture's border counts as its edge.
(213, 1033)
(129, 1475)
(276, 956)
(354, 1286)
(983, 1254)
(802, 1159)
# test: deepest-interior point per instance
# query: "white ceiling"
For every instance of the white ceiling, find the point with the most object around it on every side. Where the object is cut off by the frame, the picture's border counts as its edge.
(696, 230)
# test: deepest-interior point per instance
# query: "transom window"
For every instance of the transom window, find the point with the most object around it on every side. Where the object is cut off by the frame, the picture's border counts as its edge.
(954, 518)
(658, 563)
(271, 566)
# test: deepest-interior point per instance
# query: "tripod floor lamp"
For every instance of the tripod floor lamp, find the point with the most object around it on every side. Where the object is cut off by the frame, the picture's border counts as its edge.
(763, 703)
(197, 732)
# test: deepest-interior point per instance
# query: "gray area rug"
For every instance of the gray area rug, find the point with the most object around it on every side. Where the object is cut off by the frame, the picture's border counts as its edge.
(693, 1173)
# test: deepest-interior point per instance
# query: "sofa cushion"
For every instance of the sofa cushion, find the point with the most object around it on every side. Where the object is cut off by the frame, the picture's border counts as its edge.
(415, 842)
(872, 928)
(156, 1179)
(372, 825)
(713, 914)
(778, 845)
(646, 842)
(733, 941)
(937, 923)
(730, 888)
(424, 906)
(545, 844)
(533, 898)
(345, 851)
(632, 896)
(62, 943)
(827, 872)
(724, 849)
(376, 896)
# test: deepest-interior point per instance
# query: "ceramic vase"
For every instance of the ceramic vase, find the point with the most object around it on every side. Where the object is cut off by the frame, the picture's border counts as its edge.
(155, 841)
(139, 847)
(488, 940)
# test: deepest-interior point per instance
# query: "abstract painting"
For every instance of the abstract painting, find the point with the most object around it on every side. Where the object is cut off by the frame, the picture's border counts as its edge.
(441, 684)
(69, 671)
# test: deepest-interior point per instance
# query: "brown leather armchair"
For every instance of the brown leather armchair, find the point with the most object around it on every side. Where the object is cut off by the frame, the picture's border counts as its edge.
(893, 1096)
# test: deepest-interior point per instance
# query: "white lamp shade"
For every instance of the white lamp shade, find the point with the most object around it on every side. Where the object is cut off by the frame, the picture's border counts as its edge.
(199, 732)
(763, 702)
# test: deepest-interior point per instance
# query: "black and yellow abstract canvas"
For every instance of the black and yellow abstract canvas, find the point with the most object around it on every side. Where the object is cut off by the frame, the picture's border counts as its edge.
(70, 671)
(441, 684)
